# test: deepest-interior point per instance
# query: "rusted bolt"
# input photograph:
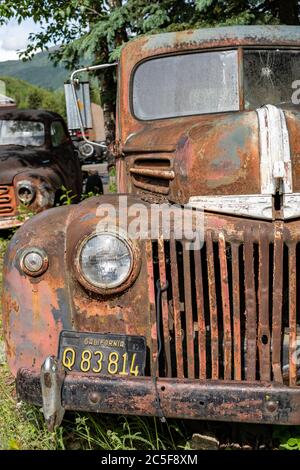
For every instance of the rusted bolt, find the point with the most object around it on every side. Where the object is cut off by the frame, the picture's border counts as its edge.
(272, 406)
(94, 397)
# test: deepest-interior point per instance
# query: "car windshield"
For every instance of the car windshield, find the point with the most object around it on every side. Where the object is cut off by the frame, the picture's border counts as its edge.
(271, 77)
(25, 133)
(184, 85)
(208, 82)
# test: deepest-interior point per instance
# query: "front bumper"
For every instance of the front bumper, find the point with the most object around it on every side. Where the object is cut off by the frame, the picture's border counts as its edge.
(10, 222)
(171, 398)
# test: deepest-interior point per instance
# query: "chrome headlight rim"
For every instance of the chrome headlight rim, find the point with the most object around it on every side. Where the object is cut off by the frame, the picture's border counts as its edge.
(29, 186)
(132, 274)
(41, 253)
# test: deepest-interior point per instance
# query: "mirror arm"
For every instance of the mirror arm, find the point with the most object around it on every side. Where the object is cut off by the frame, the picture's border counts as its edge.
(73, 87)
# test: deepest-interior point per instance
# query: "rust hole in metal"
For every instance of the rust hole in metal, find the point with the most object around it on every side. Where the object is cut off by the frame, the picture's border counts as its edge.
(264, 339)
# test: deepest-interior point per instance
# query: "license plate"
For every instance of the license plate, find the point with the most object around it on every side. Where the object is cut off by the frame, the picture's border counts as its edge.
(103, 354)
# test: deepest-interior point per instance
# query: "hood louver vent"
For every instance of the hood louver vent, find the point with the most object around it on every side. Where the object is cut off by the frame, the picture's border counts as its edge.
(152, 174)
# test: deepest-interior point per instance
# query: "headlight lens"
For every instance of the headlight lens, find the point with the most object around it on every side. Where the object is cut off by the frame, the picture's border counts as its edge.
(26, 193)
(105, 260)
(34, 261)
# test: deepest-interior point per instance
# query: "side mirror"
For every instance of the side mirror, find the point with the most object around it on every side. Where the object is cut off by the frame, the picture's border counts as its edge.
(73, 82)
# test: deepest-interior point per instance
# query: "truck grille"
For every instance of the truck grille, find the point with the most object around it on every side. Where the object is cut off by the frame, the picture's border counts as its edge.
(7, 201)
(231, 309)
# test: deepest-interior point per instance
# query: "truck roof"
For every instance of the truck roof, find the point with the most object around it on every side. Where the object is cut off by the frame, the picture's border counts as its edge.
(29, 115)
(228, 35)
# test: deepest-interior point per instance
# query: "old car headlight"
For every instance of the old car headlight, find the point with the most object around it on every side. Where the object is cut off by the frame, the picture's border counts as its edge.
(34, 261)
(106, 262)
(26, 192)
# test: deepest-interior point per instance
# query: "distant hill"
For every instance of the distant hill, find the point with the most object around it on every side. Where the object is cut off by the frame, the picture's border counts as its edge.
(39, 71)
(31, 96)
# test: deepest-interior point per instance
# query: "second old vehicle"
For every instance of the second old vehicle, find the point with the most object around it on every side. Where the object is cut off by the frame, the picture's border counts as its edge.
(95, 319)
(37, 158)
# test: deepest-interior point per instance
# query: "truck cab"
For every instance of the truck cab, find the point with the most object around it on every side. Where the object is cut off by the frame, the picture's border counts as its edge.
(200, 323)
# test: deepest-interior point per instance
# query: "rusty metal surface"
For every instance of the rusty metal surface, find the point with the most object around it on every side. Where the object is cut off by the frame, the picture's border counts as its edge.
(292, 314)
(214, 339)
(208, 155)
(264, 336)
(277, 301)
(228, 312)
(200, 315)
(204, 38)
(189, 399)
(176, 310)
(36, 310)
(7, 201)
(190, 333)
(46, 168)
(227, 337)
(164, 306)
(251, 307)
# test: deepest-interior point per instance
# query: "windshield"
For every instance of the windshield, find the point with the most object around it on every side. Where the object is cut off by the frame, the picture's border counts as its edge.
(25, 133)
(269, 77)
(184, 85)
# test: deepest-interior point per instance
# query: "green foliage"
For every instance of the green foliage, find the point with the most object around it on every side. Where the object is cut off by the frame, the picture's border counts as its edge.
(39, 71)
(24, 213)
(67, 198)
(28, 96)
(288, 438)
(112, 180)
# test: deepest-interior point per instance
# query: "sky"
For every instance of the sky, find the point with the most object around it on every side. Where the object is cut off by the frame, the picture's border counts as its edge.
(14, 37)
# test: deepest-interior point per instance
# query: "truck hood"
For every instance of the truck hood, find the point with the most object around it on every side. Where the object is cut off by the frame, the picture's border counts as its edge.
(15, 160)
(232, 163)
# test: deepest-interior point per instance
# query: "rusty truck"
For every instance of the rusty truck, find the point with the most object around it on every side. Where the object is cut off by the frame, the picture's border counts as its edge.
(208, 121)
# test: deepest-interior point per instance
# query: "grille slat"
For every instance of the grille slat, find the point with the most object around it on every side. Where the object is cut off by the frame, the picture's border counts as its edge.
(151, 290)
(189, 313)
(200, 315)
(277, 306)
(292, 315)
(165, 307)
(251, 310)
(176, 310)
(263, 310)
(212, 307)
(227, 338)
(236, 311)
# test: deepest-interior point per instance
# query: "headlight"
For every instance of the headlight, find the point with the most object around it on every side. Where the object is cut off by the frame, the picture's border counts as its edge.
(106, 262)
(26, 192)
(34, 261)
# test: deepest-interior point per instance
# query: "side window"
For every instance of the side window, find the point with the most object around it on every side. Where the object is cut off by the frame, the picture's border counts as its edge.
(58, 134)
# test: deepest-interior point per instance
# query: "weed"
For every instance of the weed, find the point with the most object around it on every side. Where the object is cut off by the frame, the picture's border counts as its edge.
(112, 181)
(288, 438)
(67, 198)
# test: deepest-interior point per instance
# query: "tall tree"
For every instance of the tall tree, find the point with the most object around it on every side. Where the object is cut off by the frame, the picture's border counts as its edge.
(95, 30)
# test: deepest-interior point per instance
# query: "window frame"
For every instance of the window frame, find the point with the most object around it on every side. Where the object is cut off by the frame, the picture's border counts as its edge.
(67, 141)
(241, 85)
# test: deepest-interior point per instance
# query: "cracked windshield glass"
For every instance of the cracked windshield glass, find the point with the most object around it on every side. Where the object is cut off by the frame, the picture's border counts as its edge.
(269, 76)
